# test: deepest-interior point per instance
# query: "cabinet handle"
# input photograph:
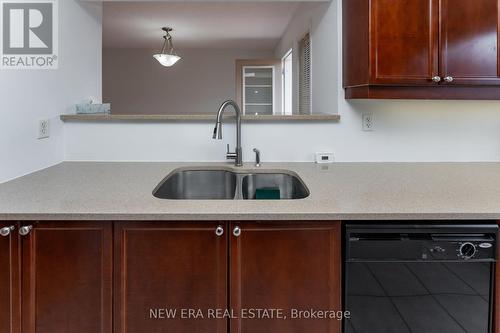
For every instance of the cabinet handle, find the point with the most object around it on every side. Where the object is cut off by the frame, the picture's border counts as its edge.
(448, 79)
(436, 79)
(5, 231)
(23, 231)
(219, 231)
(237, 231)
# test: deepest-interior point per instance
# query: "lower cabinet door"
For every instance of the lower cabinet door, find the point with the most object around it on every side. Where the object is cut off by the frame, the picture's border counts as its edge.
(282, 274)
(169, 276)
(10, 293)
(67, 277)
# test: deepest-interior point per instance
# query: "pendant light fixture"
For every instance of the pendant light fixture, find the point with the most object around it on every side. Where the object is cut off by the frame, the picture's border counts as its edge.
(167, 56)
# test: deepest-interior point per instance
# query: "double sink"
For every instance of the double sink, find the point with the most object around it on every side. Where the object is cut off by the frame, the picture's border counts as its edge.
(227, 184)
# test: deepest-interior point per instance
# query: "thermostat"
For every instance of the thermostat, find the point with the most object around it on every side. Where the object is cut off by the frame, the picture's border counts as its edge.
(324, 158)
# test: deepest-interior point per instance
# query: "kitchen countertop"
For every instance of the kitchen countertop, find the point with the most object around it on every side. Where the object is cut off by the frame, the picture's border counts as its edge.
(346, 191)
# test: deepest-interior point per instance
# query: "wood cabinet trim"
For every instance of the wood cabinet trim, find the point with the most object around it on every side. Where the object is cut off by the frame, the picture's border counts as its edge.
(234, 279)
(11, 307)
(16, 281)
(412, 92)
(356, 40)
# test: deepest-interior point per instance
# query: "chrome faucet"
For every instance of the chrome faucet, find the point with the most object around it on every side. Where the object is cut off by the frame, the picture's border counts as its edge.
(237, 156)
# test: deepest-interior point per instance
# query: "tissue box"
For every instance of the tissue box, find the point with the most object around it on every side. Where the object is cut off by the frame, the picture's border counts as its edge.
(90, 108)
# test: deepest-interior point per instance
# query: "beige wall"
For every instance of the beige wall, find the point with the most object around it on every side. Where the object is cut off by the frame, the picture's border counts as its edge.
(135, 83)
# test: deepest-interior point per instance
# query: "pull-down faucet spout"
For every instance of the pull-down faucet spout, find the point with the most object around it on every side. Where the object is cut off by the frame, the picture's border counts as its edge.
(237, 156)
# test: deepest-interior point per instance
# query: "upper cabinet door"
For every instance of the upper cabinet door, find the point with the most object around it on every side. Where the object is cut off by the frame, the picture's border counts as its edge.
(163, 270)
(469, 42)
(286, 266)
(10, 294)
(67, 277)
(404, 42)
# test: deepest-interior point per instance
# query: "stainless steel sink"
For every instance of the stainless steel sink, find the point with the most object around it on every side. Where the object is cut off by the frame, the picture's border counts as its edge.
(197, 184)
(289, 186)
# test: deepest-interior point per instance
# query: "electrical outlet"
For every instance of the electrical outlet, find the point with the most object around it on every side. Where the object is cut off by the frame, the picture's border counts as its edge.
(43, 129)
(368, 123)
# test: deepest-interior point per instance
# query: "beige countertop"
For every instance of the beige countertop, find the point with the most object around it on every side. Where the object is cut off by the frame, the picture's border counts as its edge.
(347, 191)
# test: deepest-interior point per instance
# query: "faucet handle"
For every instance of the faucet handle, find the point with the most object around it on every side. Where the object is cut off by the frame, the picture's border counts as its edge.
(257, 157)
(229, 155)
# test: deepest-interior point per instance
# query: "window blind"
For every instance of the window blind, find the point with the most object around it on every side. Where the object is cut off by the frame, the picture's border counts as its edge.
(305, 75)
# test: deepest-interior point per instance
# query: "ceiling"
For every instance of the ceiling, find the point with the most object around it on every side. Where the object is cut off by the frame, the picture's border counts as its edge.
(246, 25)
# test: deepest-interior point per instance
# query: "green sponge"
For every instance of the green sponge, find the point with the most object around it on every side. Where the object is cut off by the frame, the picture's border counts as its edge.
(267, 193)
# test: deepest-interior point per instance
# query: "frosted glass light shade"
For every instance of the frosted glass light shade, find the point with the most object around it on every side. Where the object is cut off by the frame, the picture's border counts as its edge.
(167, 60)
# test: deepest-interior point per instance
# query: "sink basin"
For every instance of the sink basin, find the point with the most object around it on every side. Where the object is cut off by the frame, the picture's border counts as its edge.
(290, 187)
(198, 185)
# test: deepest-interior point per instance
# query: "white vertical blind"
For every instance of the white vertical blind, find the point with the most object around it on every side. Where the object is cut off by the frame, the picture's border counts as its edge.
(287, 83)
(305, 75)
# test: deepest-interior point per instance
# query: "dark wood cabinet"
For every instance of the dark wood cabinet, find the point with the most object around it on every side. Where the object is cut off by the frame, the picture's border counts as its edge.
(288, 266)
(165, 266)
(134, 277)
(10, 292)
(67, 277)
(404, 47)
(469, 42)
(426, 49)
(169, 266)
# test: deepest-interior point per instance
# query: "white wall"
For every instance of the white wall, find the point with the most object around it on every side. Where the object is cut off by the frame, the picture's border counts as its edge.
(26, 96)
(135, 83)
(319, 21)
(404, 130)
(410, 131)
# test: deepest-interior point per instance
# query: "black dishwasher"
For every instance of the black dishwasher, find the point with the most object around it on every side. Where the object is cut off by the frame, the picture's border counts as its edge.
(419, 278)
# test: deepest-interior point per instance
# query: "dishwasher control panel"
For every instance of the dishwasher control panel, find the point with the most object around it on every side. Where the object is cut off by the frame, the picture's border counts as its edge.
(422, 243)
(463, 249)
